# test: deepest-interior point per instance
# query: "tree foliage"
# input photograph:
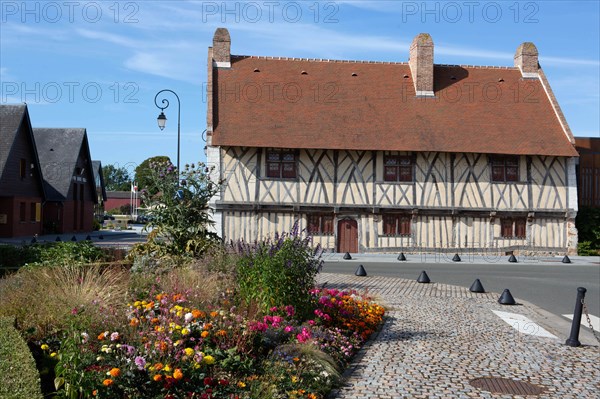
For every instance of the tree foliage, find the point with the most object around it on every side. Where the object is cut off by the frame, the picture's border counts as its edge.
(179, 213)
(115, 178)
(145, 175)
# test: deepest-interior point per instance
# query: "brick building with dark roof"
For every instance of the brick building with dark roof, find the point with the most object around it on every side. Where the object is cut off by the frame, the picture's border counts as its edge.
(21, 185)
(69, 181)
(385, 156)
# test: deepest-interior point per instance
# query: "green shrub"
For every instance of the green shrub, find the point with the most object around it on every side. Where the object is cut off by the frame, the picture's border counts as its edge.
(65, 253)
(588, 226)
(20, 378)
(13, 257)
(279, 272)
(584, 248)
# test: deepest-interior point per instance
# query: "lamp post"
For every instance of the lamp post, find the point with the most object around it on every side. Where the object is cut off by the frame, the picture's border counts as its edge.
(162, 120)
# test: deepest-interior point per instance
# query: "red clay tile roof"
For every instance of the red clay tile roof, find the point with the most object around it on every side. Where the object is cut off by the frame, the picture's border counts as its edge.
(265, 102)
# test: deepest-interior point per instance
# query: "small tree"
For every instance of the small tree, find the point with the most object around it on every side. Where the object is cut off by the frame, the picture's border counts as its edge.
(180, 212)
(115, 178)
(145, 173)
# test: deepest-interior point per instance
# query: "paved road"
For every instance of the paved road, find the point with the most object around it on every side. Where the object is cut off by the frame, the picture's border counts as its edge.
(550, 285)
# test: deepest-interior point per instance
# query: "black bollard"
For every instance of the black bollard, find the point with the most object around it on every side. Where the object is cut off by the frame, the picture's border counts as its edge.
(477, 287)
(506, 298)
(566, 259)
(423, 278)
(74, 239)
(347, 256)
(88, 238)
(58, 238)
(401, 257)
(361, 272)
(456, 258)
(512, 258)
(574, 337)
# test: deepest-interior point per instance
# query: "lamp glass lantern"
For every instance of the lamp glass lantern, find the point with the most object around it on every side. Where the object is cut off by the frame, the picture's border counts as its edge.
(162, 120)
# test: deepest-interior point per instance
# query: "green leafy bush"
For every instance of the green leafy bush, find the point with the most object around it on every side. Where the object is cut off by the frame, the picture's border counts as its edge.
(20, 378)
(584, 248)
(588, 227)
(280, 271)
(179, 213)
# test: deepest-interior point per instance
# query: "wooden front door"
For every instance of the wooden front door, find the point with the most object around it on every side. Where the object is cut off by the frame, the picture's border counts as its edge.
(347, 235)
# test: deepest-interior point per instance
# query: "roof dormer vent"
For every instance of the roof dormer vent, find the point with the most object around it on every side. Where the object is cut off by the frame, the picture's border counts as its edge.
(304, 73)
(256, 70)
(354, 74)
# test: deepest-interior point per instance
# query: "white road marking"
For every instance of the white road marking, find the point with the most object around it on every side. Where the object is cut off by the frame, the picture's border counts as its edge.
(595, 321)
(523, 325)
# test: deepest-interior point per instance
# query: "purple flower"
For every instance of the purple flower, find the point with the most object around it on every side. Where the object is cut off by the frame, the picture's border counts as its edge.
(140, 362)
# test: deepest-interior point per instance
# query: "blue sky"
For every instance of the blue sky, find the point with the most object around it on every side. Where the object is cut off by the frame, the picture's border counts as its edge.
(99, 64)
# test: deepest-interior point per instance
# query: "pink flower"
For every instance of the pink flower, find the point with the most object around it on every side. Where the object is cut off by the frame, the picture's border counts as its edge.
(288, 329)
(114, 336)
(304, 336)
(273, 309)
(290, 310)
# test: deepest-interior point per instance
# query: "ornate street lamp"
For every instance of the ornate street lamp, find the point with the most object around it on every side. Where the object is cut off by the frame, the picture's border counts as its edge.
(162, 120)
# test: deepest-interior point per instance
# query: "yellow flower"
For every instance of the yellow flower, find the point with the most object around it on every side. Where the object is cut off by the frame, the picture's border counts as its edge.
(189, 351)
(44, 347)
(241, 384)
(294, 379)
(185, 331)
(208, 359)
(167, 368)
(53, 354)
(177, 374)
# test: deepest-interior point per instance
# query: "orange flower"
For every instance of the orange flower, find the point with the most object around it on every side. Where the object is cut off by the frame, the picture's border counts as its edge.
(204, 334)
(221, 333)
(101, 337)
(214, 314)
(134, 322)
(115, 372)
(107, 382)
(155, 320)
(177, 374)
(94, 392)
(158, 366)
(157, 377)
(208, 326)
(311, 396)
(160, 296)
(197, 314)
(150, 305)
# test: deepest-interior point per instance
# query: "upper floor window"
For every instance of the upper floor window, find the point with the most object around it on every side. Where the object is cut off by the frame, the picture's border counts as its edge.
(396, 225)
(505, 169)
(320, 224)
(513, 228)
(281, 164)
(23, 168)
(398, 168)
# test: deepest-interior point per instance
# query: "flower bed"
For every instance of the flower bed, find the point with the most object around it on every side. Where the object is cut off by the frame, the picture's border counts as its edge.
(168, 349)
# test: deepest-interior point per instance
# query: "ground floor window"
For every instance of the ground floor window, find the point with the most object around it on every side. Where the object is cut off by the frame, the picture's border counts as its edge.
(22, 212)
(396, 225)
(514, 228)
(321, 224)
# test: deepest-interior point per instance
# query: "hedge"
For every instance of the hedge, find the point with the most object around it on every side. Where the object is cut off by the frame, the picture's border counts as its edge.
(20, 378)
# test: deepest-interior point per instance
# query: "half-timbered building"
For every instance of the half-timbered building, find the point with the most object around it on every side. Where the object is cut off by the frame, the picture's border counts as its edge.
(389, 156)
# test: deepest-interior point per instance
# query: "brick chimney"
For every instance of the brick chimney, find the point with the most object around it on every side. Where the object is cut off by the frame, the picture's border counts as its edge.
(421, 64)
(526, 59)
(222, 48)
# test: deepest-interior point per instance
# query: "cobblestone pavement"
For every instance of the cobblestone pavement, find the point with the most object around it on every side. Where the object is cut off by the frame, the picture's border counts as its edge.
(437, 338)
